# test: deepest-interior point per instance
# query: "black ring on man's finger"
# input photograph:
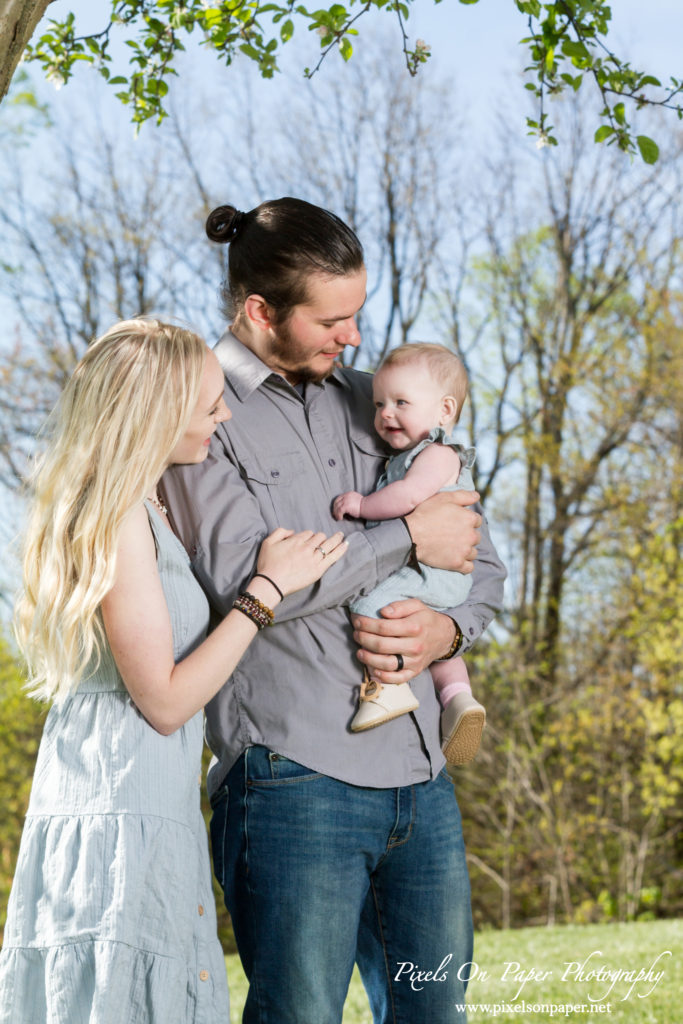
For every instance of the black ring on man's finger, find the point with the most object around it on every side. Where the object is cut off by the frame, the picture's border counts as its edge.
(399, 662)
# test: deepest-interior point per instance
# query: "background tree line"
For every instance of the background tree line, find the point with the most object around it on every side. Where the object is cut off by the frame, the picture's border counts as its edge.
(557, 278)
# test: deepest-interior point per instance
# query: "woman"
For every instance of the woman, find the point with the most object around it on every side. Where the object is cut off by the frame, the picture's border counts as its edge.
(111, 915)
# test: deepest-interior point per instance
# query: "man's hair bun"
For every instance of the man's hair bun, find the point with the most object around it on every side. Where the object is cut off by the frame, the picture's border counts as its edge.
(223, 223)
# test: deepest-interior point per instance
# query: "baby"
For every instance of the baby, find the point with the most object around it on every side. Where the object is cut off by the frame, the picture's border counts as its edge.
(419, 391)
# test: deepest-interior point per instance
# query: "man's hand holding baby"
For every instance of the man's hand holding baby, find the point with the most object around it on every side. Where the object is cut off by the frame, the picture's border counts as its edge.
(445, 530)
(418, 632)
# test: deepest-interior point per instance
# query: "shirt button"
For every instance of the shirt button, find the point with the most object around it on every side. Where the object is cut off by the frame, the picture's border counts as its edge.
(203, 975)
(331, 462)
(200, 908)
(275, 472)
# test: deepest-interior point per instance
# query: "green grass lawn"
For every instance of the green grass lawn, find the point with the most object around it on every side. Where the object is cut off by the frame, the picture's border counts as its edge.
(539, 959)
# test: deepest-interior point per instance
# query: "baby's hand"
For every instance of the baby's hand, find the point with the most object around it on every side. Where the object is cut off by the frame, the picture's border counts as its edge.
(347, 505)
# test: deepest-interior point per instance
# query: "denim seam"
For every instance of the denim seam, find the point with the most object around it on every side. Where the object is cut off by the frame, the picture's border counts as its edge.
(380, 923)
(254, 986)
(224, 836)
(401, 842)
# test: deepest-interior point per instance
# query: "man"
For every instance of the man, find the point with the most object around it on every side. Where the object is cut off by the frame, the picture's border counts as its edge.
(331, 846)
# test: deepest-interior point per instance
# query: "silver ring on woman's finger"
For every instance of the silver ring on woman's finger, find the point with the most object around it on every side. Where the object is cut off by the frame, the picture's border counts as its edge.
(323, 553)
(399, 662)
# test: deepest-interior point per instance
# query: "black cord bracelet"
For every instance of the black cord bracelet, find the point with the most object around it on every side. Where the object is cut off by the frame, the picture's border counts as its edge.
(272, 583)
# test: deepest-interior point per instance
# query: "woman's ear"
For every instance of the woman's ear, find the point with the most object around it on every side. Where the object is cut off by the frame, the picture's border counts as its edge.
(258, 312)
(449, 410)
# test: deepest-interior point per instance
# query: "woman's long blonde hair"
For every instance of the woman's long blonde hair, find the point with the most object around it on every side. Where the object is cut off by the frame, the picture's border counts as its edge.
(125, 408)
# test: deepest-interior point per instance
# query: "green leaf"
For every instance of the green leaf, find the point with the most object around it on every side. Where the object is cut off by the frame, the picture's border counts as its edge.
(287, 30)
(603, 132)
(573, 81)
(162, 87)
(250, 51)
(346, 49)
(649, 150)
(212, 17)
(531, 7)
(575, 50)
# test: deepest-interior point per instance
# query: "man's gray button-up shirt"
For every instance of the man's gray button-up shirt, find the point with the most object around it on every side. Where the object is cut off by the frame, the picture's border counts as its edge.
(280, 461)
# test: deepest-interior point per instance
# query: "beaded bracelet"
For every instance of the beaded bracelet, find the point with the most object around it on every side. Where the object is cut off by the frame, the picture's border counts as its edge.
(260, 614)
(455, 646)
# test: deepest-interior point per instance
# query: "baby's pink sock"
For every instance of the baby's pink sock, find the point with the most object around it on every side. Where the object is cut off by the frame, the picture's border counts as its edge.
(450, 677)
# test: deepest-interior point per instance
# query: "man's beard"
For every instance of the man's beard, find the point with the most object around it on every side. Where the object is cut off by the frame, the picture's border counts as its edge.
(306, 376)
(293, 358)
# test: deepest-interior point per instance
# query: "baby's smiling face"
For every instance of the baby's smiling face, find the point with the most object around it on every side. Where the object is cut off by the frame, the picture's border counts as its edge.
(409, 403)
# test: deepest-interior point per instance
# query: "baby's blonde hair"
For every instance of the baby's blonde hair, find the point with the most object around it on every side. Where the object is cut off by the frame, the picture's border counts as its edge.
(126, 406)
(446, 369)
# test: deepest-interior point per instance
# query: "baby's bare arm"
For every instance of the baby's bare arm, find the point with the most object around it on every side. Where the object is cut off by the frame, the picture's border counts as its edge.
(435, 467)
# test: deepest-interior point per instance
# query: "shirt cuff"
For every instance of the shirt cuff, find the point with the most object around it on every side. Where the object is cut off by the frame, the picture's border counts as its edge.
(469, 625)
(391, 544)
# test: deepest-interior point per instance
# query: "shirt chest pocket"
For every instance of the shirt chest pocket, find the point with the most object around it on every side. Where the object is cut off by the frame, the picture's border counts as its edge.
(369, 459)
(276, 479)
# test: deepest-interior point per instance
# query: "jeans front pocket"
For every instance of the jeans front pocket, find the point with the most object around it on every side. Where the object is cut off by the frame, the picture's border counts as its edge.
(267, 768)
(217, 828)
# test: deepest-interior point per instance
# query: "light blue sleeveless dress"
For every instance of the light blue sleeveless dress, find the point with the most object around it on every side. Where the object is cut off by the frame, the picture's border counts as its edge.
(111, 918)
(438, 588)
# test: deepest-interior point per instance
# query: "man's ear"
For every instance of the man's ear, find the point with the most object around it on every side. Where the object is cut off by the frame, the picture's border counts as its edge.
(258, 312)
(449, 410)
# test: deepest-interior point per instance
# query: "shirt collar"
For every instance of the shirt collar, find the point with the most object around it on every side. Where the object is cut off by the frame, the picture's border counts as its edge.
(246, 372)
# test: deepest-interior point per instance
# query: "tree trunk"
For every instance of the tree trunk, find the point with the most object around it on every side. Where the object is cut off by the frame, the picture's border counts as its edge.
(550, 635)
(18, 21)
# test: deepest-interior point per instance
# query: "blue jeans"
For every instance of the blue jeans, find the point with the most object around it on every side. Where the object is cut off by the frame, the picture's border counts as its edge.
(318, 874)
